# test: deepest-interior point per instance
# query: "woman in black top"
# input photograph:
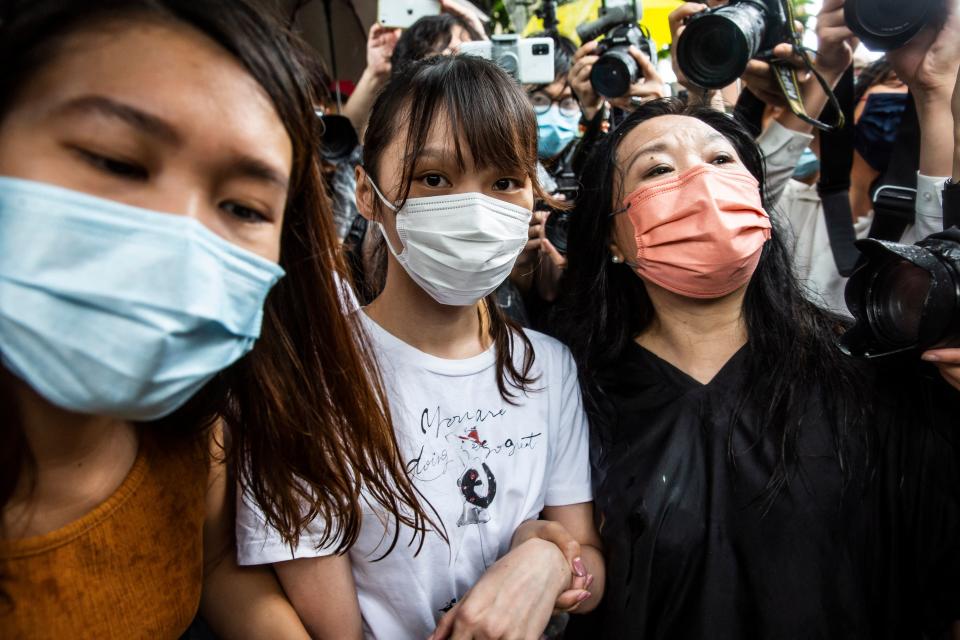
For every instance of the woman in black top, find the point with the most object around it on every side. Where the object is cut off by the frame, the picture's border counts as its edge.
(750, 480)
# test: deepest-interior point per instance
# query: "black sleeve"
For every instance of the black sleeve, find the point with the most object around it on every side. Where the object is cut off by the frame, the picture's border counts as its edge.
(951, 205)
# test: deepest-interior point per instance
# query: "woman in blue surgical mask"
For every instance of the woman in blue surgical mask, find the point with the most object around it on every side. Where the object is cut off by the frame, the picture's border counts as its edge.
(169, 316)
(488, 416)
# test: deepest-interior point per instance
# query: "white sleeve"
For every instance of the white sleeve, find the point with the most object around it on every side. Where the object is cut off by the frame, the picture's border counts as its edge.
(258, 543)
(929, 209)
(568, 473)
(781, 148)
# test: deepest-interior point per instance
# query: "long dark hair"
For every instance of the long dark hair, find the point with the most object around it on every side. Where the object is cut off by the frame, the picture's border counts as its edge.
(491, 116)
(792, 342)
(308, 425)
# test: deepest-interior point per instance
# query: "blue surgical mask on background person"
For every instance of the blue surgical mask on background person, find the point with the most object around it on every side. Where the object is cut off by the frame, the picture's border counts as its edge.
(808, 165)
(875, 132)
(555, 131)
(108, 309)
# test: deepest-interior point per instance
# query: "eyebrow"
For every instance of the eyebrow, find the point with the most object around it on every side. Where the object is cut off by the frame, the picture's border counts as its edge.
(145, 122)
(244, 166)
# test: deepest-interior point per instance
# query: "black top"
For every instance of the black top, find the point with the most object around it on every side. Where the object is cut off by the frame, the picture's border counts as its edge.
(695, 551)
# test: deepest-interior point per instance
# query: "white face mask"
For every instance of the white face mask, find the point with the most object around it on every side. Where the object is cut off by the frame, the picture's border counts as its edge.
(460, 247)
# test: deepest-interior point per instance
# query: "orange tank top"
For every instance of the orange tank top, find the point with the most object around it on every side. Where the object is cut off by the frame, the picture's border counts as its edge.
(131, 568)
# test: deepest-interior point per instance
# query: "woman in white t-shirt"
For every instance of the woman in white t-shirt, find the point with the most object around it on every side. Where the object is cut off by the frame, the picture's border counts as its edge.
(487, 417)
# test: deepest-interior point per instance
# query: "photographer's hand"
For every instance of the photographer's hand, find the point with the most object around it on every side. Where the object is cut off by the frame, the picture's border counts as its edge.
(929, 64)
(469, 16)
(649, 87)
(948, 361)
(380, 44)
(579, 79)
(835, 46)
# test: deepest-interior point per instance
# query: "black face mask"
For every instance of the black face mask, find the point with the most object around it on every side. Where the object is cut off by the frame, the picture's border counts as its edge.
(876, 131)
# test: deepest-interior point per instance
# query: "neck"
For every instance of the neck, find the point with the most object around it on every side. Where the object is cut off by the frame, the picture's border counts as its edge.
(77, 462)
(696, 336)
(409, 313)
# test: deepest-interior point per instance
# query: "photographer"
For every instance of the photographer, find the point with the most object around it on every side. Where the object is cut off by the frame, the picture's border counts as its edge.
(948, 360)
(594, 123)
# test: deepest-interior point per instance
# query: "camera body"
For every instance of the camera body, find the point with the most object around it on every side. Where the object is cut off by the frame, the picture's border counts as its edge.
(528, 60)
(616, 69)
(884, 25)
(558, 224)
(717, 44)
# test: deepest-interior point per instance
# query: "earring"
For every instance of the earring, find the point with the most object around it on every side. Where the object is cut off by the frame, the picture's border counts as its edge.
(615, 259)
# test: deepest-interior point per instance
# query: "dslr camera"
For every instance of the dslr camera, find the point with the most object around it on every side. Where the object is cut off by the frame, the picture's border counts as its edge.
(717, 44)
(905, 298)
(884, 25)
(528, 60)
(616, 69)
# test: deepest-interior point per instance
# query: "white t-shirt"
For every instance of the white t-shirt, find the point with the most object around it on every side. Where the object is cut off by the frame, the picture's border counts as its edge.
(485, 465)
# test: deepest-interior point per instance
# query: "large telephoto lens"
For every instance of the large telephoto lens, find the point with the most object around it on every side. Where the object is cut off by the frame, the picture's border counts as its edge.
(895, 302)
(614, 72)
(884, 25)
(714, 49)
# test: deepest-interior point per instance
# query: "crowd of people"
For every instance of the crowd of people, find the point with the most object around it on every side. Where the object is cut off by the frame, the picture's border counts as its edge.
(501, 361)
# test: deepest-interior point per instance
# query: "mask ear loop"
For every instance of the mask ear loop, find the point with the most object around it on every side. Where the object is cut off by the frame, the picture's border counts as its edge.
(613, 214)
(389, 205)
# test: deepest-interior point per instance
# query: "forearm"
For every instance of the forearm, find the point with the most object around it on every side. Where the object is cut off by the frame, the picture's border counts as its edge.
(937, 151)
(247, 602)
(361, 101)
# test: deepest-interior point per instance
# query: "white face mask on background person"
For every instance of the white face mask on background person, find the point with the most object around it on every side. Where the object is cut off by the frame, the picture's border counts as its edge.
(458, 248)
(108, 309)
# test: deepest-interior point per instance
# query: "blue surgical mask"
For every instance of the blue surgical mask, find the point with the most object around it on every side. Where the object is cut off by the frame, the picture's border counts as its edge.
(107, 309)
(555, 131)
(876, 131)
(807, 166)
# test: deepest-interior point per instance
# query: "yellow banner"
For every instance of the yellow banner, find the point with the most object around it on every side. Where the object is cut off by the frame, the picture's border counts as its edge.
(572, 14)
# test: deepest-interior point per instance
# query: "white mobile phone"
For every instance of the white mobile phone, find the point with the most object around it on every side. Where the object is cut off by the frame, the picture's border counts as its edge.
(403, 13)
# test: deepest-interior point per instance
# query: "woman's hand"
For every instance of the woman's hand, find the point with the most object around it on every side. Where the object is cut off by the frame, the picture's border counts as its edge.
(948, 361)
(556, 533)
(649, 87)
(380, 45)
(514, 599)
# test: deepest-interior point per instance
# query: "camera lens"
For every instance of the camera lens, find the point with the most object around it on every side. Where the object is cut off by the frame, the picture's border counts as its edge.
(889, 24)
(714, 49)
(614, 72)
(339, 138)
(896, 300)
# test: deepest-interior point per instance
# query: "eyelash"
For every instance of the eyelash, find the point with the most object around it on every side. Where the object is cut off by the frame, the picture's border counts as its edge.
(130, 171)
(663, 169)
(118, 168)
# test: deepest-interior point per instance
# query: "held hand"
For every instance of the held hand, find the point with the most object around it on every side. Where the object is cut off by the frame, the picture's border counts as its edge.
(556, 533)
(928, 64)
(649, 87)
(948, 361)
(458, 10)
(678, 21)
(380, 44)
(514, 598)
(579, 79)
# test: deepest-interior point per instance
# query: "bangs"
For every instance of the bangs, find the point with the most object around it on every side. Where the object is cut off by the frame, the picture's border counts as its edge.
(484, 110)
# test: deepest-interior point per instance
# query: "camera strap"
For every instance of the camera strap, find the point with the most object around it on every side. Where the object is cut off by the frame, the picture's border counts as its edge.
(895, 196)
(836, 162)
(789, 84)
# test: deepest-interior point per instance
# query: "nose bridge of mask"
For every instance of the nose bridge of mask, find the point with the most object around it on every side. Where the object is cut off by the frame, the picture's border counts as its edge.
(84, 230)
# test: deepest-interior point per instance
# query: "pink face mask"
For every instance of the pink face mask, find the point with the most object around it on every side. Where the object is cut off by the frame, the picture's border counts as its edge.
(699, 233)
